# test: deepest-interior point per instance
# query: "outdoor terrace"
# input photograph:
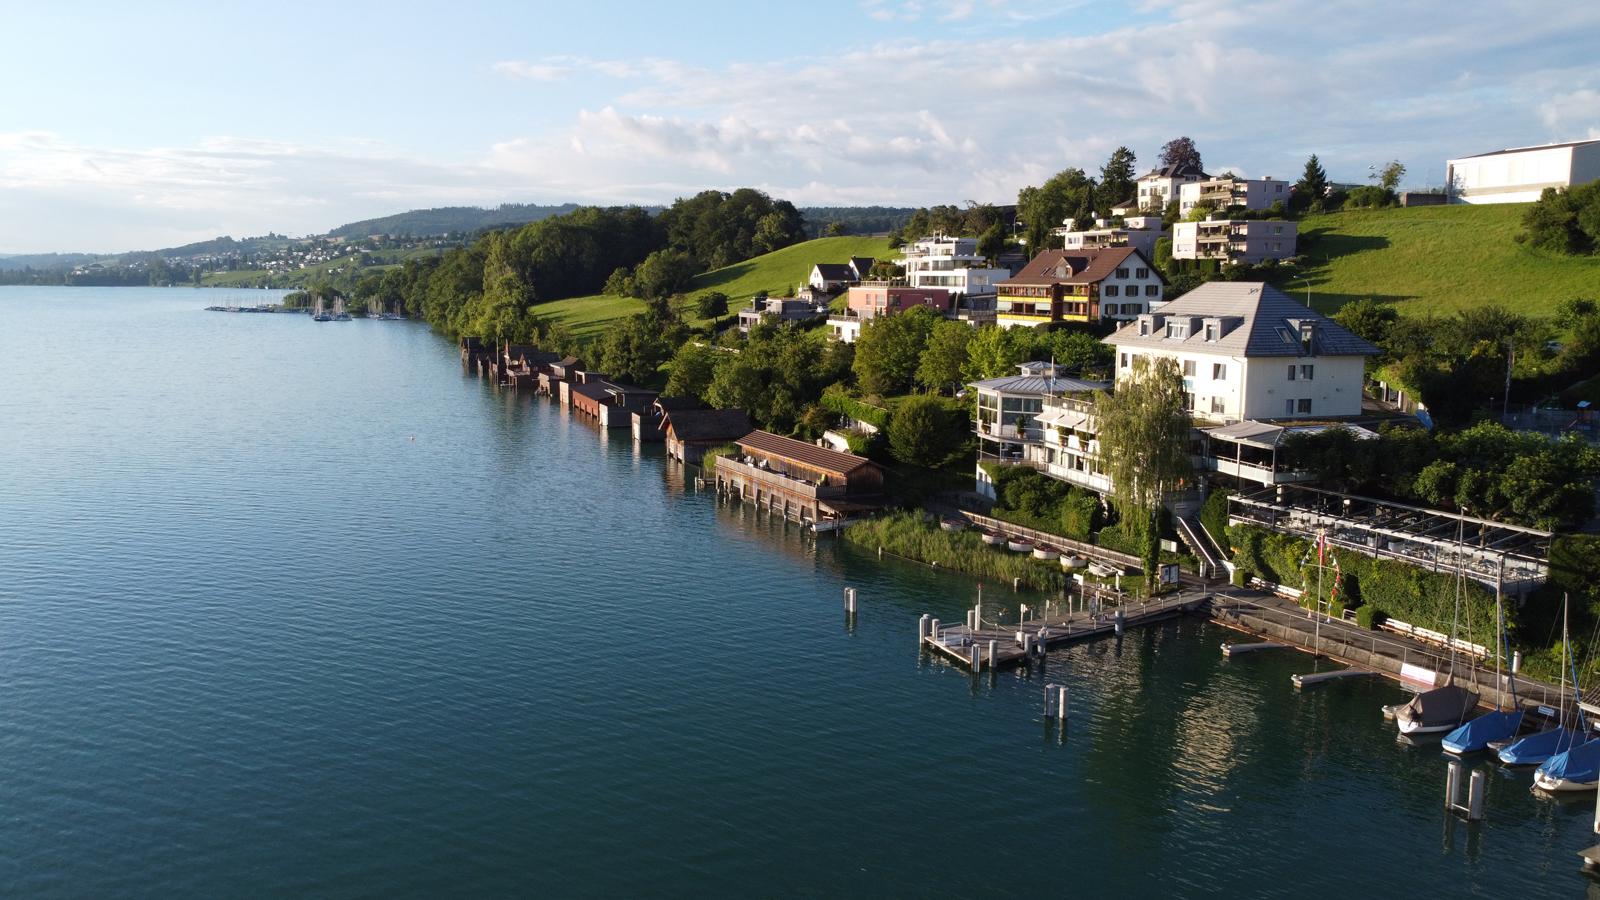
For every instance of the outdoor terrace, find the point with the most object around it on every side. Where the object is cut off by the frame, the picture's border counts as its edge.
(1491, 553)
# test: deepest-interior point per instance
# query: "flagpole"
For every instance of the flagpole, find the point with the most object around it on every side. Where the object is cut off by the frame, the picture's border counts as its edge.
(1316, 645)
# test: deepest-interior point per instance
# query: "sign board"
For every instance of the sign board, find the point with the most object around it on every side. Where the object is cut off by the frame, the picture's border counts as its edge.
(1077, 577)
(1547, 711)
(1169, 573)
(1417, 673)
(1169, 546)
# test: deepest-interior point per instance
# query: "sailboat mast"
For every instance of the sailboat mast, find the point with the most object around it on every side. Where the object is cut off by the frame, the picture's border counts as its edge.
(1564, 645)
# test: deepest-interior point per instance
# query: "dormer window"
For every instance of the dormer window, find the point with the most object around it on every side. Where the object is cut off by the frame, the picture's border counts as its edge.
(1211, 332)
(1308, 335)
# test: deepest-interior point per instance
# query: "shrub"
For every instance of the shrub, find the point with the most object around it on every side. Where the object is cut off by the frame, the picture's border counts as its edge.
(1370, 617)
(907, 534)
(844, 405)
(1214, 517)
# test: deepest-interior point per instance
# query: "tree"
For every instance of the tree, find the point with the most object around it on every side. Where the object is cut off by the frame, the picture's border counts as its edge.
(1564, 220)
(992, 242)
(693, 368)
(1069, 193)
(1118, 178)
(1180, 152)
(945, 355)
(917, 228)
(890, 348)
(919, 431)
(836, 229)
(737, 384)
(1312, 186)
(663, 273)
(1389, 176)
(631, 349)
(711, 305)
(995, 351)
(1369, 320)
(1144, 439)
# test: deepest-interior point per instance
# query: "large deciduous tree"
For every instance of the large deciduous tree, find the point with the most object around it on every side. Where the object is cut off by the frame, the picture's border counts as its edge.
(1144, 446)
(1180, 152)
(945, 355)
(890, 349)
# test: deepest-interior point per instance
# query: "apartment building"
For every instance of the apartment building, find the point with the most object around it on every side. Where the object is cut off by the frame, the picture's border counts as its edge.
(950, 263)
(1221, 193)
(1138, 232)
(1234, 240)
(1079, 286)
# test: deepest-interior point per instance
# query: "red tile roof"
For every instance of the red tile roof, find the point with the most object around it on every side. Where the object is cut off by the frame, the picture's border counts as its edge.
(1086, 266)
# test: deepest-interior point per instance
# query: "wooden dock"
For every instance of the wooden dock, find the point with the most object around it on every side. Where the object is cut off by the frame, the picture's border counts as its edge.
(996, 647)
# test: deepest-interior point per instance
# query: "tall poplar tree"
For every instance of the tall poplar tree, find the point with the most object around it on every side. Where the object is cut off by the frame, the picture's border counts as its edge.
(1144, 446)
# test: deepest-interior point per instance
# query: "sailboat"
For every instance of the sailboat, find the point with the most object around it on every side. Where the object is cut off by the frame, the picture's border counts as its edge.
(1444, 708)
(339, 315)
(1538, 749)
(1577, 769)
(321, 315)
(1500, 724)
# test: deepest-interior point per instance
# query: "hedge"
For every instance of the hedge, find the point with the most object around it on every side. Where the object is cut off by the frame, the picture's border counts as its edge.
(906, 534)
(835, 402)
(1214, 516)
(1400, 590)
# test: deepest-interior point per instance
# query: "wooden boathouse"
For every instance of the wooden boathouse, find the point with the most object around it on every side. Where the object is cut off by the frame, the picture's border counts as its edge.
(813, 485)
(691, 432)
(651, 424)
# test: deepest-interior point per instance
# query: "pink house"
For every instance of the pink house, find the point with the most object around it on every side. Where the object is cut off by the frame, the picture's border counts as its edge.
(882, 299)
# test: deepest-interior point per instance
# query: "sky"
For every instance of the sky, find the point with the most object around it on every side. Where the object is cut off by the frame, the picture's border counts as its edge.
(137, 126)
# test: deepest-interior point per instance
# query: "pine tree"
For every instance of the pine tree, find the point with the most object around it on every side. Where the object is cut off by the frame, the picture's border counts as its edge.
(1117, 178)
(1313, 184)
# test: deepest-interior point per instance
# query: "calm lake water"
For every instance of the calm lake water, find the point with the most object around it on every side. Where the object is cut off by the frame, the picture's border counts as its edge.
(296, 609)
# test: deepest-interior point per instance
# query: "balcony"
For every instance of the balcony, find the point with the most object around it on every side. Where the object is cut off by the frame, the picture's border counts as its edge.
(999, 432)
(780, 480)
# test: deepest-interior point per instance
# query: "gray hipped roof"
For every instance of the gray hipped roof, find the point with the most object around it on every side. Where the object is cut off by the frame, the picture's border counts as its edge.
(1257, 319)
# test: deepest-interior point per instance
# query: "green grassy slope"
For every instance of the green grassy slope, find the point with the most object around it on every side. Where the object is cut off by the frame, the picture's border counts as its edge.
(1435, 259)
(775, 272)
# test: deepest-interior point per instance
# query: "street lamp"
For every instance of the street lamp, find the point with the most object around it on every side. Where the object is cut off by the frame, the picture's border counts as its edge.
(1308, 289)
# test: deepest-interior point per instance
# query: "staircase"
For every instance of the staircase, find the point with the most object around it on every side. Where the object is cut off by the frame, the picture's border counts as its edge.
(1210, 562)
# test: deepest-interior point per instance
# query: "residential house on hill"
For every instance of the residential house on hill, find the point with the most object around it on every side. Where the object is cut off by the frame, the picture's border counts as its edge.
(1138, 232)
(1079, 286)
(950, 263)
(1158, 187)
(1221, 193)
(831, 278)
(1234, 240)
(1256, 364)
(882, 298)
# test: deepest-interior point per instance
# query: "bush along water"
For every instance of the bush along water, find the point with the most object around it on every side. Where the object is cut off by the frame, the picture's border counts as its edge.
(907, 534)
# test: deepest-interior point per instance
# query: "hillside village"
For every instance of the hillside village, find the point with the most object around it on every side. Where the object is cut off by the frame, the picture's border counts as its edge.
(1012, 388)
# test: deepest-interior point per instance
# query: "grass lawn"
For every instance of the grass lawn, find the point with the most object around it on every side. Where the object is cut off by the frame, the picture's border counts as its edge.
(1435, 259)
(774, 273)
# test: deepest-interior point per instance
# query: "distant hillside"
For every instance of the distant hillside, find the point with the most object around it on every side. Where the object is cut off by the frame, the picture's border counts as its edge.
(47, 260)
(1436, 259)
(445, 219)
(858, 219)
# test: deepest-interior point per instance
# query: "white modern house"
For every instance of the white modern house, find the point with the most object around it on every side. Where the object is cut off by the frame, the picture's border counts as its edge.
(1250, 193)
(1521, 175)
(1018, 423)
(1158, 187)
(1234, 240)
(950, 263)
(1137, 232)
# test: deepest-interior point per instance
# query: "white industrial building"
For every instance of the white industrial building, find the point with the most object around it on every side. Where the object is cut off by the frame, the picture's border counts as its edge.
(1520, 175)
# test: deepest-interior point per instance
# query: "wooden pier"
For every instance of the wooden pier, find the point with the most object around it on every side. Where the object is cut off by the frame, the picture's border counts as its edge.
(991, 647)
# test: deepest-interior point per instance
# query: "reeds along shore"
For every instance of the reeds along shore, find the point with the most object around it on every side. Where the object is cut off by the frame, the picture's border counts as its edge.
(906, 534)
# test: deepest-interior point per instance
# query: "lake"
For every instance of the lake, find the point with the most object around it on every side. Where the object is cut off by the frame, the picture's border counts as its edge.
(297, 609)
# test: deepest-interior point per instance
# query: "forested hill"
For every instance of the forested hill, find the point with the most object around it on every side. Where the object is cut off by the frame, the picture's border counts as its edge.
(447, 219)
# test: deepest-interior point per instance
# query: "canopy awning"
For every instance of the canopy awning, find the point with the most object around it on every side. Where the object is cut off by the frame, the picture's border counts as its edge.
(1268, 436)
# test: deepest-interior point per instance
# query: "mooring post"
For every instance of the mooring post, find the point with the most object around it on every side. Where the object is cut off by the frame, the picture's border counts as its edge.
(1475, 797)
(1119, 621)
(922, 627)
(1062, 707)
(1452, 784)
(977, 660)
(849, 600)
(1016, 584)
(933, 630)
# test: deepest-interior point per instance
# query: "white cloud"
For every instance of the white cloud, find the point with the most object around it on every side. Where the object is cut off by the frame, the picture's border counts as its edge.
(1258, 85)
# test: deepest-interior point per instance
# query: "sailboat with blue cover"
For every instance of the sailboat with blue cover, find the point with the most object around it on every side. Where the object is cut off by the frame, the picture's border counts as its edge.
(1499, 725)
(1538, 749)
(1577, 769)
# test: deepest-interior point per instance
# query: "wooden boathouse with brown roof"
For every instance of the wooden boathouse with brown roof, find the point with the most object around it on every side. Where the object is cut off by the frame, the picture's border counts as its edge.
(691, 432)
(816, 486)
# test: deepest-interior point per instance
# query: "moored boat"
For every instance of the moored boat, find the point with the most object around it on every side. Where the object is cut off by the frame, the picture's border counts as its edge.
(1480, 732)
(1577, 769)
(1441, 709)
(1537, 749)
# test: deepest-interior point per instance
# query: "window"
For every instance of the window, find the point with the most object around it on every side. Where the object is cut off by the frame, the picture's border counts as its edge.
(1305, 373)
(1280, 189)
(1132, 309)
(1219, 372)
(1188, 401)
(1150, 290)
(1122, 273)
(1291, 372)
(1211, 332)
(1288, 407)
(1141, 273)
(1124, 360)
(1303, 406)
(1277, 229)
(1277, 246)
(1111, 290)
(1218, 405)
(1144, 327)
(1189, 367)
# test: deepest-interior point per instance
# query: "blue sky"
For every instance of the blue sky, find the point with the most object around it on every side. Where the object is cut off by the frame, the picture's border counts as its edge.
(130, 126)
